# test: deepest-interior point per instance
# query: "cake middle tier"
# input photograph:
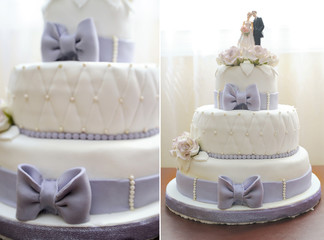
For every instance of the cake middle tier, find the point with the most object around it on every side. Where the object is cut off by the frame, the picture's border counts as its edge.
(259, 134)
(92, 97)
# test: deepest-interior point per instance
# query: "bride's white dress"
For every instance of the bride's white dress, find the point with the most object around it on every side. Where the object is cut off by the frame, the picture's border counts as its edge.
(246, 41)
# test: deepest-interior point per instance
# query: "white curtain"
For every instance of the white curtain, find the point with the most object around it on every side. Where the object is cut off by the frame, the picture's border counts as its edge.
(194, 32)
(21, 27)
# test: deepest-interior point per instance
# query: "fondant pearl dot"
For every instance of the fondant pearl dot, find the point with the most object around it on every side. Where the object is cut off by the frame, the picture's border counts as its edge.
(247, 134)
(61, 135)
(230, 133)
(145, 130)
(239, 153)
(132, 182)
(239, 114)
(224, 114)
(141, 98)
(109, 65)
(261, 133)
(215, 132)
(72, 99)
(47, 97)
(61, 129)
(126, 131)
(106, 131)
(38, 67)
(132, 192)
(83, 129)
(275, 134)
(95, 99)
(68, 135)
(132, 188)
(60, 66)
(26, 96)
(121, 100)
(111, 137)
(76, 136)
(131, 201)
(84, 65)
(36, 129)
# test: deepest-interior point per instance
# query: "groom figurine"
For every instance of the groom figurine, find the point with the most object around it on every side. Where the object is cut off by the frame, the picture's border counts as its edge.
(257, 28)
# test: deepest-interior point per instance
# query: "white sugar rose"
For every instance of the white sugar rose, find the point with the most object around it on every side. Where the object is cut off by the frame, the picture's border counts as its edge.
(230, 57)
(262, 54)
(184, 147)
(273, 60)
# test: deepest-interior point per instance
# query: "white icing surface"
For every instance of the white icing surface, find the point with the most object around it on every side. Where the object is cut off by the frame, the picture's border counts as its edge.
(246, 132)
(85, 97)
(102, 159)
(172, 191)
(111, 17)
(99, 220)
(276, 169)
(264, 76)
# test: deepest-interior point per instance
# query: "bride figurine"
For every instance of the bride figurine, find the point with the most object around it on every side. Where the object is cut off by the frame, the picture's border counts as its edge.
(246, 40)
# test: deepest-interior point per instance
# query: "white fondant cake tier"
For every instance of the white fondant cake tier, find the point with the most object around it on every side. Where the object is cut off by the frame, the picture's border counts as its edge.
(246, 132)
(264, 76)
(112, 18)
(240, 169)
(102, 159)
(100, 98)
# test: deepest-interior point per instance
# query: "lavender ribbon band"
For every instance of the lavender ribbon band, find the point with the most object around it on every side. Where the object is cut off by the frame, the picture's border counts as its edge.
(209, 192)
(83, 45)
(73, 192)
(232, 99)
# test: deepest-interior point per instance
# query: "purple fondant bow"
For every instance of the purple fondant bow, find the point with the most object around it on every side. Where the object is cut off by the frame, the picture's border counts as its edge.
(69, 196)
(233, 98)
(58, 45)
(248, 193)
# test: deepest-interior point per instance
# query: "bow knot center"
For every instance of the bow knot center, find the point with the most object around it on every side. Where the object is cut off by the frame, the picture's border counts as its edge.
(67, 44)
(47, 195)
(238, 194)
(241, 98)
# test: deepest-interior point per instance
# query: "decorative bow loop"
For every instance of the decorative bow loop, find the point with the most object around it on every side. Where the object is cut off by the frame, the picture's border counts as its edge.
(233, 98)
(58, 44)
(249, 193)
(69, 196)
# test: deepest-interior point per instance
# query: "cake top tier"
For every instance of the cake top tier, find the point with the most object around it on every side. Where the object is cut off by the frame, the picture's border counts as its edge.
(111, 17)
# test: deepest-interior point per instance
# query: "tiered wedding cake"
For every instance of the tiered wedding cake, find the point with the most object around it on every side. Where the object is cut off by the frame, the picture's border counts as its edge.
(241, 162)
(81, 160)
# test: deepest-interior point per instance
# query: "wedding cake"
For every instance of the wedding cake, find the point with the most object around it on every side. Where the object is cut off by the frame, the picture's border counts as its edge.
(79, 135)
(241, 163)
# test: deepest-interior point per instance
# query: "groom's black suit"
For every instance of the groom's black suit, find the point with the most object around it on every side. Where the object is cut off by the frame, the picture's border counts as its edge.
(257, 30)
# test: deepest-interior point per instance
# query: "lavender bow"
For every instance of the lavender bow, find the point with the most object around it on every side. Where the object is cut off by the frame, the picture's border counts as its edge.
(58, 45)
(233, 98)
(69, 196)
(249, 193)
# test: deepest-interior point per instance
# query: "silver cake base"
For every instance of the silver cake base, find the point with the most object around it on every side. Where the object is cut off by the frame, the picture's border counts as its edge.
(237, 215)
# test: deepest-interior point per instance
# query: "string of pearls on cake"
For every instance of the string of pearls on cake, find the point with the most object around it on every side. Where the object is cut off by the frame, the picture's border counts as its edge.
(131, 192)
(194, 191)
(115, 49)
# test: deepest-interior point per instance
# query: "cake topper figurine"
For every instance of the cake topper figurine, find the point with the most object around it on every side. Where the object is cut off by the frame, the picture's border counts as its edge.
(258, 27)
(246, 40)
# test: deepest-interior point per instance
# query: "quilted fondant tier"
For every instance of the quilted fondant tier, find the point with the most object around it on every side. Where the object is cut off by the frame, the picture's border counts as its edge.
(75, 97)
(241, 132)
(264, 76)
(270, 170)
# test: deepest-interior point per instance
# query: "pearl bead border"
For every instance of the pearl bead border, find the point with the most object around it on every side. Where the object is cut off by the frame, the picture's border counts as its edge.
(194, 191)
(252, 156)
(89, 136)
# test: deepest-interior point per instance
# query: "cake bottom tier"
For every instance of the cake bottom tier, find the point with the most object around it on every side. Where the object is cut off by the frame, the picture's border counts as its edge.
(141, 223)
(209, 213)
